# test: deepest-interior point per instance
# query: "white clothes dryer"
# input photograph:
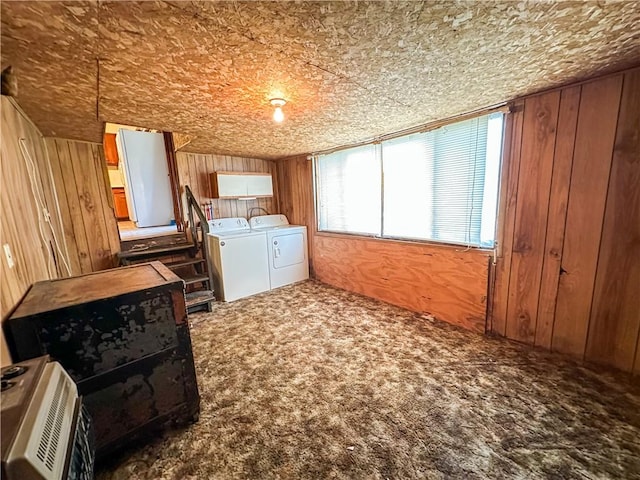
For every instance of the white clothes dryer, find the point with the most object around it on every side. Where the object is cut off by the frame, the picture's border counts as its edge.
(287, 249)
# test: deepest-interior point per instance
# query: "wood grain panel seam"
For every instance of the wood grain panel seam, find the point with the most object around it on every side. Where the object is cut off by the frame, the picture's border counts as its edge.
(516, 181)
(635, 356)
(577, 295)
(606, 201)
(106, 198)
(503, 260)
(76, 197)
(90, 203)
(58, 175)
(546, 230)
(564, 226)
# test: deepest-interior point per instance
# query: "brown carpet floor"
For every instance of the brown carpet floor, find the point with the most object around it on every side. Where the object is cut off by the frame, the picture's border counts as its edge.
(311, 382)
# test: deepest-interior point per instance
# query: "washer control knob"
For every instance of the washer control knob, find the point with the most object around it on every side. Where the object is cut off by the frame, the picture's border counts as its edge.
(222, 244)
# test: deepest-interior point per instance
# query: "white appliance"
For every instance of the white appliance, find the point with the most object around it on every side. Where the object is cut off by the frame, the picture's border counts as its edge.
(145, 176)
(46, 432)
(238, 259)
(287, 245)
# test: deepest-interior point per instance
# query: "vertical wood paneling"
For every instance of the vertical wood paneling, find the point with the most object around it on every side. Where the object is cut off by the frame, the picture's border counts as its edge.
(223, 206)
(509, 195)
(615, 315)
(561, 176)
(534, 183)
(194, 170)
(233, 166)
(595, 135)
(83, 191)
(588, 292)
(44, 182)
(295, 181)
(29, 188)
(23, 226)
(90, 193)
(106, 201)
(295, 184)
(74, 242)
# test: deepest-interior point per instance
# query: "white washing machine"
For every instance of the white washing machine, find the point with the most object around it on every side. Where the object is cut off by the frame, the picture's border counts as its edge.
(287, 249)
(239, 261)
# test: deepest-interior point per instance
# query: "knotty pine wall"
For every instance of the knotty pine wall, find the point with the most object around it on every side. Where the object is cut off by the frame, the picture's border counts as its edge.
(295, 184)
(194, 170)
(26, 189)
(568, 272)
(68, 179)
(449, 282)
(86, 202)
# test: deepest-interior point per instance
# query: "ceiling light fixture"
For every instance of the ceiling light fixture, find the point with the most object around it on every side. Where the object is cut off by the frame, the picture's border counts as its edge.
(278, 116)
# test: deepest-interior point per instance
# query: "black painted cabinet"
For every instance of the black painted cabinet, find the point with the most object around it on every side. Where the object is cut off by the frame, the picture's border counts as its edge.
(123, 336)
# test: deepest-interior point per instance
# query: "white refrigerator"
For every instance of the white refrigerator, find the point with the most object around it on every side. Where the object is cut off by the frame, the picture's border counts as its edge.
(145, 175)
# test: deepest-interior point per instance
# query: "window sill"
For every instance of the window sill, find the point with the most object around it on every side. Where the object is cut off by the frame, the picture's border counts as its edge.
(423, 243)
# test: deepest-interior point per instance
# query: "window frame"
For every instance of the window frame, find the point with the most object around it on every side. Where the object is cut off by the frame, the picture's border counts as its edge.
(506, 123)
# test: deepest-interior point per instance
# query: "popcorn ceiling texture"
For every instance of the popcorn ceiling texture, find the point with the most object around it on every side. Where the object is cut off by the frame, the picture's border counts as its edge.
(350, 71)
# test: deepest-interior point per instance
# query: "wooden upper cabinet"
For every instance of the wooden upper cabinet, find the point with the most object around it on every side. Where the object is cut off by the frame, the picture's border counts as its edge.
(241, 184)
(110, 149)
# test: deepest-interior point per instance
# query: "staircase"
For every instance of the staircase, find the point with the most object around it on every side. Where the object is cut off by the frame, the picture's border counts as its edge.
(187, 259)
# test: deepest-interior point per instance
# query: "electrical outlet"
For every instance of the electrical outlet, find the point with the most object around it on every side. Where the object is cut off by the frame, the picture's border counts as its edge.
(7, 252)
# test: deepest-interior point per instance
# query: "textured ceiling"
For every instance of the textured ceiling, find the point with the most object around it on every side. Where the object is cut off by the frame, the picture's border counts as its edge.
(350, 71)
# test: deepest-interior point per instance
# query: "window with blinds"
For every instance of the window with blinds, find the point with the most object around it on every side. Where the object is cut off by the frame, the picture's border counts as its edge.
(349, 191)
(440, 185)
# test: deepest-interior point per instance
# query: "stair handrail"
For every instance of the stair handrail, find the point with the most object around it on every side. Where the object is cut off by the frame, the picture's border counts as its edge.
(193, 206)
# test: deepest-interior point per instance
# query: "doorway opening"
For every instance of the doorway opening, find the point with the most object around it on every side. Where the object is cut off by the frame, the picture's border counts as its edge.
(143, 180)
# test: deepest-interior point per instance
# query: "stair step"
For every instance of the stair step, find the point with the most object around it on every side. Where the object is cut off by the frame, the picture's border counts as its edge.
(198, 298)
(182, 263)
(155, 251)
(196, 279)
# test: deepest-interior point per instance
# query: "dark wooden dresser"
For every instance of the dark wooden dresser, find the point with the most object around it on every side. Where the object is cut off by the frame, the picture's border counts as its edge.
(123, 336)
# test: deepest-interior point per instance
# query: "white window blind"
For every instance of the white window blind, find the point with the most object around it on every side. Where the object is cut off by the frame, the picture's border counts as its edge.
(349, 191)
(408, 186)
(439, 185)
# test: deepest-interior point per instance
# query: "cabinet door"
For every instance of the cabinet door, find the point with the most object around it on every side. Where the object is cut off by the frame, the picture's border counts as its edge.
(241, 184)
(232, 186)
(120, 204)
(259, 185)
(110, 149)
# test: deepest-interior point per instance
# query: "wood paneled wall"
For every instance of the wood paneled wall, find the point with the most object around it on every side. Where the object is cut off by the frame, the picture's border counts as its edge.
(568, 273)
(295, 181)
(194, 170)
(27, 190)
(448, 282)
(57, 216)
(86, 203)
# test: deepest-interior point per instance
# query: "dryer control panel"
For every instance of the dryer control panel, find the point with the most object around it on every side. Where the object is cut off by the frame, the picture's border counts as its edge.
(268, 221)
